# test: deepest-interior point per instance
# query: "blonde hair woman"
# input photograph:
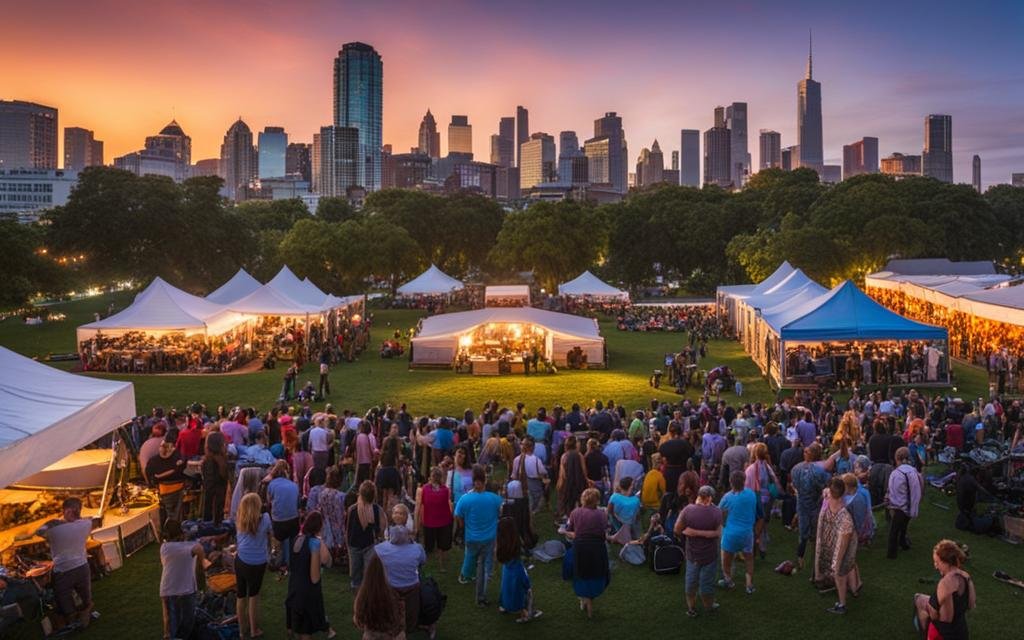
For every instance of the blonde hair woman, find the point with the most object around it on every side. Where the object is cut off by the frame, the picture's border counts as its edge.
(849, 427)
(253, 535)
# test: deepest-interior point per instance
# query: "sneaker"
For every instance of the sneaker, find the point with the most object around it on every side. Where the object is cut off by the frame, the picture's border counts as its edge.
(691, 613)
(837, 609)
(751, 590)
(463, 579)
(726, 584)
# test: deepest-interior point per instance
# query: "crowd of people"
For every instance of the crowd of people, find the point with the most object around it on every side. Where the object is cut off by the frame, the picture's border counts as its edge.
(141, 352)
(384, 492)
(698, 320)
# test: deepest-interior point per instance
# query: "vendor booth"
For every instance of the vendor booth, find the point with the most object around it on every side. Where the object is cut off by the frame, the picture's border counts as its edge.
(843, 336)
(432, 282)
(501, 340)
(728, 296)
(587, 285)
(507, 295)
(240, 285)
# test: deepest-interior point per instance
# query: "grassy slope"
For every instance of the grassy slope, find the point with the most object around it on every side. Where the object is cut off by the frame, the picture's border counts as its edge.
(637, 602)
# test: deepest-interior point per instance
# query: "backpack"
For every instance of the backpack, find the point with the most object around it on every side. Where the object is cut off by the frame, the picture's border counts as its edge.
(666, 556)
(432, 601)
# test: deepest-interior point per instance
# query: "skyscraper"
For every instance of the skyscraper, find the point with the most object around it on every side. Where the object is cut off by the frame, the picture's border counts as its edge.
(675, 161)
(808, 118)
(28, 135)
(460, 136)
(522, 130)
(650, 166)
(81, 149)
(771, 149)
(718, 153)
(503, 143)
(860, 157)
(238, 161)
(610, 166)
(429, 138)
(297, 161)
(358, 103)
(336, 160)
(689, 157)
(273, 149)
(790, 158)
(901, 166)
(937, 159)
(976, 173)
(537, 158)
(570, 169)
(169, 153)
(736, 122)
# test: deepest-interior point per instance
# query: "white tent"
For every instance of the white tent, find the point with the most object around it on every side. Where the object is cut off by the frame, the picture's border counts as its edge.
(587, 284)
(240, 285)
(433, 281)
(269, 301)
(161, 308)
(438, 339)
(46, 414)
(520, 292)
(728, 296)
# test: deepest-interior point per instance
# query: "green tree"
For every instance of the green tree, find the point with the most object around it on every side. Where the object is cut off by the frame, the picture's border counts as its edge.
(1007, 205)
(273, 214)
(27, 270)
(336, 209)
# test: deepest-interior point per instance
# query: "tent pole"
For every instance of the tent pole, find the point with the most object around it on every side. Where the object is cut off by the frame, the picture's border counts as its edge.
(110, 472)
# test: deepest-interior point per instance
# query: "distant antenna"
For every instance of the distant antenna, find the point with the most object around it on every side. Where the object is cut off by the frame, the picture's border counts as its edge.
(810, 54)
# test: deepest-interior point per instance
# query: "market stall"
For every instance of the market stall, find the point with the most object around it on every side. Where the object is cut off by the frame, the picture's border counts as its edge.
(507, 295)
(503, 338)
(587, 285)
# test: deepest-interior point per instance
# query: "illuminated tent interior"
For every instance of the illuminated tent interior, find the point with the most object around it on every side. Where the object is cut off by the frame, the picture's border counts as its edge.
(498, 332)
(590, 286)
(431, 282)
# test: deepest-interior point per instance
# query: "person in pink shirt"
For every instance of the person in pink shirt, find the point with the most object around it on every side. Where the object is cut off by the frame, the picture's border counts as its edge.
(366, 452)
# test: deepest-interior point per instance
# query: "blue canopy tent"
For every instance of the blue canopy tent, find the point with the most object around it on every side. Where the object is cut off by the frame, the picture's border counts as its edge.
(846, 315)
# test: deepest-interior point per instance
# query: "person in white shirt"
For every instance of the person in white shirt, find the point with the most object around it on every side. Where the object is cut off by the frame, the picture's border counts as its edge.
(320, 441)
(528, 468)
(178, 580)
(906, 487)
(71, 573)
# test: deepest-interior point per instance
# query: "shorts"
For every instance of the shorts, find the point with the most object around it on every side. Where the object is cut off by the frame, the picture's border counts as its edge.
(285, 529)
(437, 537)
(701, 577)
(67, 583)
(389, 478)
(249, 578)
(738, 541)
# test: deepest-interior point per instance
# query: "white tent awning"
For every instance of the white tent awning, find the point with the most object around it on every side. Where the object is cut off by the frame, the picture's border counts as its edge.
(240, 285)
(433, 281)
(587, 284)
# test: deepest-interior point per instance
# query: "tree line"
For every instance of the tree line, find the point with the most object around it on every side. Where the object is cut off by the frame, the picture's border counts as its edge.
(118, 226)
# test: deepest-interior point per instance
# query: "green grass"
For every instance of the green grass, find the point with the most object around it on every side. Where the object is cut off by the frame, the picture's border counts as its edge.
(638, 603)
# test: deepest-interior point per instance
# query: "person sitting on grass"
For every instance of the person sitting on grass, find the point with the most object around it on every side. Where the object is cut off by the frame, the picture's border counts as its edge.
(516, 589)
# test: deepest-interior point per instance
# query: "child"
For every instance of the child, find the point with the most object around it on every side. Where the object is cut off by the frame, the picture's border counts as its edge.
(516, 591)
(623, 510)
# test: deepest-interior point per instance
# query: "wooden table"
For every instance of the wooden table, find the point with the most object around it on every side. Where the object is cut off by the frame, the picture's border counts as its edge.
(486, 367)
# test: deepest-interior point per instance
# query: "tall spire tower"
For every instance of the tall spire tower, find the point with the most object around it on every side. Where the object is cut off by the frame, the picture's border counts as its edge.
(810, 55)
(808, 116)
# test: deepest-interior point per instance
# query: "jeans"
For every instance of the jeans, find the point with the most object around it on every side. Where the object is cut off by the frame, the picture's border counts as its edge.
(170, 506)
(480, 555)
(808, 521)
(701, 576)
(181, 614)
(357, 561)
(535, 488)
(325, 386)
(897, 531)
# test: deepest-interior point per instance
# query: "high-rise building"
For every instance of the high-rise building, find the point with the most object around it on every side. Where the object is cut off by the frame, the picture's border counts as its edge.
(411, 169)
(901, 166)
(1017, 179)
(169, 153)
(81, 149)
(537, 161)
(28, 135)
(273, 151)
(206, 168)
(771, 149)
(937, 159)
(609, 164)
(522, 130)
(506, 184)
(297, 161)
(790, 158)
(675, 162)
(808, 118)
(831, 173)
(429, 138)
(650, 166)
(25, 193)
(503, 143)
(976, 173)
(689, 158)
(860, 157)
(358, 104)
(736, 122)
(238, 161)
(337, 157)
(572, 162)
(460, 136)
(718, 153)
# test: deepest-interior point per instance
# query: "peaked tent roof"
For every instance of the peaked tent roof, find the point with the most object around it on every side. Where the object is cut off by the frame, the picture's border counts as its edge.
(795, 286)
(240, 285)
(162, 307)
(940, 266)
(450, 324)
(433, 281)
(46, 413)
(269, 301)
(846, 313)
(587, 284)
(746, 290)
(289, 285)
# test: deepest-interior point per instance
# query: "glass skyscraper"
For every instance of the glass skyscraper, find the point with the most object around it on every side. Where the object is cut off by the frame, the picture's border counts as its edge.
(808, 120)
(273, 147)
(358, 103)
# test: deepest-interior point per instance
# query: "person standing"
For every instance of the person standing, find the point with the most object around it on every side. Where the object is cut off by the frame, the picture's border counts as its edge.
(434, 515)
(906, 486)
(180, 560)
(478, 513)
(253, 530)
(808, 480)
(701, 523)
(586, 562)
(67, 538)
(377, 611)
(835, 549)
(364, 524)
(531, 473)
(304, 605)
(402, 558)
(320, 441)
(324, 389)
(167, 471)
(739, 508)
(572, 477)
(215, 477)
(516, 590)
(283, 504)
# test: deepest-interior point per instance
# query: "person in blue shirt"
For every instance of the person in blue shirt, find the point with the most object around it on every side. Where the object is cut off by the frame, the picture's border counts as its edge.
(623, 509)
(739, 507)
(615, 449)
(516, 590)
(478, 511)
(253, 534)
(283, 500)
(808, 480)
(539, 428)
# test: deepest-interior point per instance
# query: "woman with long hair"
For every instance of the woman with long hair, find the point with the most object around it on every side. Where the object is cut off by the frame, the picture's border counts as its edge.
(835, 550)
(516, 590)
(572, 477)
(305, 614)
(388, 478)
(377, 611)
(249, 480)
(331, 504)
(760, 478)
(215, 477)
(365, 524)
(586, 562)
(944, 614)
(253, 531)
(434, 516)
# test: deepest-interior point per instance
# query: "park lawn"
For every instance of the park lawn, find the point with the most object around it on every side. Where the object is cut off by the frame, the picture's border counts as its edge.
(638, 603)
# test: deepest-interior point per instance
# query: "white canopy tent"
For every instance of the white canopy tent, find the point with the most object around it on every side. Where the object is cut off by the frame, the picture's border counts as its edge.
(47, 414)
(162, 308)
(431, 282)
(518, 292)
(589, 285)
(728, 296)
(240, 285)
(438, 339)
(269, 301)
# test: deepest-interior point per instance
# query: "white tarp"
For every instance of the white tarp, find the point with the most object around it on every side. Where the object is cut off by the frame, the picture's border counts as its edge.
(268, 301)
(587, 284)
(1005, 304)
(505, 291)
(240, 285)
(289, 285)
(46, 414)
(161, 307)
(433, 281)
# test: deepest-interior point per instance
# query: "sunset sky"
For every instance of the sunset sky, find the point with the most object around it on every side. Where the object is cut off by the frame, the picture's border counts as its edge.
(124, 69)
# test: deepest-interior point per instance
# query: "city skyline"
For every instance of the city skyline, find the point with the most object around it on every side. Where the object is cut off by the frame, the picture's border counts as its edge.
(970, 76)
